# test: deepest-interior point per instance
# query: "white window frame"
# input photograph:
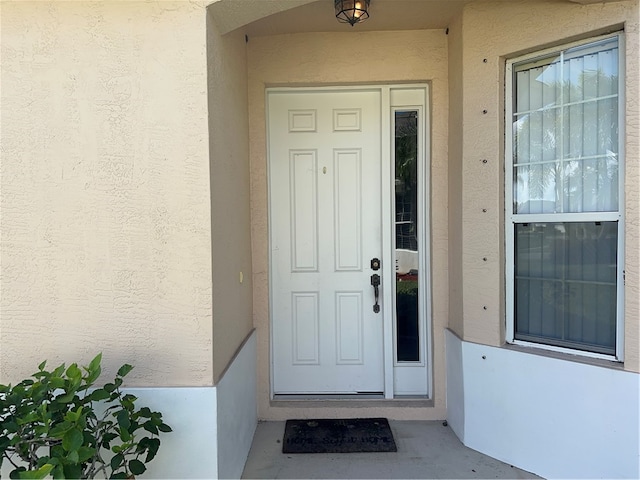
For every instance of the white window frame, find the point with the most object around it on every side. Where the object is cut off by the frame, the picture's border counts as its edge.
(512, 218)
(414, 378)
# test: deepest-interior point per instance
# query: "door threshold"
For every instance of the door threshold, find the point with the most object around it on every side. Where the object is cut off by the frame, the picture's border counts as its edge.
(349, 401)
(329, 396)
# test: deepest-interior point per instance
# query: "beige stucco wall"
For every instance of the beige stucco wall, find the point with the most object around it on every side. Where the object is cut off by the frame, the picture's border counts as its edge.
(456, 103)
(105, 213)
(230, 215)
(494, 31)
(315, 59)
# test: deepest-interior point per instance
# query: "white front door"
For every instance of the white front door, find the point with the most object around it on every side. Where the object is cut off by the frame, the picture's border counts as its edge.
(325, 228)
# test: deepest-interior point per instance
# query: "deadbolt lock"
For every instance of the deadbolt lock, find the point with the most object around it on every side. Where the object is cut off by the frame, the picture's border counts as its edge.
(375, 264)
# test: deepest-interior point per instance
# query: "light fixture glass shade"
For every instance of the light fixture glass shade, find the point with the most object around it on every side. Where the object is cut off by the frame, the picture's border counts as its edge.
(352, 11)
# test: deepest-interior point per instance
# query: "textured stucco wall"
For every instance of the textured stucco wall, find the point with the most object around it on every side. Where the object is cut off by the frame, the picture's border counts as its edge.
(495, 30)
(230, 214)
(314, 59)
(456, 103)
(105, 217)
(233, 14)
(632, 192)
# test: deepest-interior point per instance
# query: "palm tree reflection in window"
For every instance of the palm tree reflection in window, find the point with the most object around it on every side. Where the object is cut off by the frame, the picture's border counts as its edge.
(566, 136)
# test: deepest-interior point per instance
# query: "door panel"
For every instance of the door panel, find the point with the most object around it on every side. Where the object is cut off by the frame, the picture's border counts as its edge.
(325, 226)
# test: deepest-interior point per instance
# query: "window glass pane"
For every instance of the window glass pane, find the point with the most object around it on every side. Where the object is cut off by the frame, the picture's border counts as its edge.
(566, 284)
(565, 132)
(407, 275)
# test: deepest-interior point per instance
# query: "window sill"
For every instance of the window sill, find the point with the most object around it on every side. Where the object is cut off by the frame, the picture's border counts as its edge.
(569, 357)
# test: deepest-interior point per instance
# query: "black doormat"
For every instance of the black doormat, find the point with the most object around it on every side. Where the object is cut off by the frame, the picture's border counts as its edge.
(338, 436)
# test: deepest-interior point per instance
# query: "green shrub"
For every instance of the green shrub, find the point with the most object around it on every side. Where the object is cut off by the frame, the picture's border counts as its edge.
(407, 287)
(55, 423)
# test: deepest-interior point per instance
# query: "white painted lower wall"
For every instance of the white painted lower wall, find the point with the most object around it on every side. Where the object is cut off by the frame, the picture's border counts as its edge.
(552, 417)
(237, 411)
(190, 450)
(213, 427)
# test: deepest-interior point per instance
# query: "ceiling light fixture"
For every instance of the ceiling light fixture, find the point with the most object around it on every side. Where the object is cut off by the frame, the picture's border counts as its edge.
(352, 11)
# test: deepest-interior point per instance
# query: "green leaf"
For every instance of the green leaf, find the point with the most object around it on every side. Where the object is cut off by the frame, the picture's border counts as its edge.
(73, 416)
(95, 363)
(42, 472)
(163, 427)
(10, 426)
(116, 461)
(143, 445)
(145, 412)
(125, 436)
(28, 418)
(58, 472)
(85, 453)
(56, 382)
(53, 461)
(98, 395)
(72, 440)
(58, 371)
(93, 370)
(73, 457)
(74, 372)
(109, 387)
(107, 437)
(89, 438)
(150, 427)
(123, 419)
(130, 398)
(72, 470)
(60, 429)
(153, 446)
(124, 370)
(42, 365)
(136, 467)
(57, 451)
(16, 473)
(119, 475)
(67, 398)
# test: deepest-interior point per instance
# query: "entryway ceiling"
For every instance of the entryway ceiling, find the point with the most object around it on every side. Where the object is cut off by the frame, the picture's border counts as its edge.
(274, 17)
(318, 16)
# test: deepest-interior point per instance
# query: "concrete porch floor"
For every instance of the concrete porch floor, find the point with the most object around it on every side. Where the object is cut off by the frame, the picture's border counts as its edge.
(425, 450)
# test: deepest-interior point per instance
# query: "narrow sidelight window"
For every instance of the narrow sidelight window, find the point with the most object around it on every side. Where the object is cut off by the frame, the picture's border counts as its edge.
(564, 223)
(406, 252)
